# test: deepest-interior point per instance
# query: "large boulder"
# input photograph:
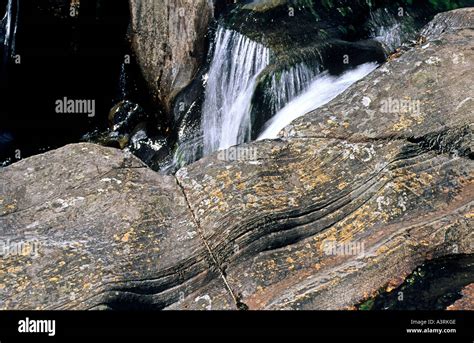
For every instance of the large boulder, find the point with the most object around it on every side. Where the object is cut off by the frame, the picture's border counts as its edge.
(169, 39)
(349, 200)
(87, 227)
(449, 22)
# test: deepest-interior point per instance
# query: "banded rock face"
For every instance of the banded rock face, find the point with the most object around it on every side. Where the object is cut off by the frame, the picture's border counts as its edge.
(398, 183)
(106, 232)
(350, 199)
(169, 39)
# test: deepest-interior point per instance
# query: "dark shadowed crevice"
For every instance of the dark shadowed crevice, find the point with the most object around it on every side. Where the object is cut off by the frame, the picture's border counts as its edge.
(434, 285)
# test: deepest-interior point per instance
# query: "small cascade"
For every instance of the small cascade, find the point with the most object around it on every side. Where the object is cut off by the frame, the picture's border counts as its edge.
(123, 91)
(288, 84)
(8, 26)
(390, 37)
(387, 29)
(186, 153)
(322, 90)
(231, 81)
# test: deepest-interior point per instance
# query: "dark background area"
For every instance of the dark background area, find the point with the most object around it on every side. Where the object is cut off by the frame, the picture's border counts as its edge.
(61, 56)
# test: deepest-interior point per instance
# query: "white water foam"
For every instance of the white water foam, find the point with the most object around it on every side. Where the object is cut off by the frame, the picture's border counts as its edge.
(232, 77)
(322, 90)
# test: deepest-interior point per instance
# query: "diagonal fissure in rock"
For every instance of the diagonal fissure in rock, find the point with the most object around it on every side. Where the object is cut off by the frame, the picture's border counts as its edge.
(237, 299)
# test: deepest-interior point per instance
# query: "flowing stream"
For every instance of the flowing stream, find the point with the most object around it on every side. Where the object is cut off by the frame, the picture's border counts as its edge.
(322, 90)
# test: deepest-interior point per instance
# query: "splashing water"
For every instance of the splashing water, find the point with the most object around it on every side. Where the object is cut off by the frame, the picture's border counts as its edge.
(289, 84)
(387, 28)
(232, 77)
(322, 90)
(390, 37)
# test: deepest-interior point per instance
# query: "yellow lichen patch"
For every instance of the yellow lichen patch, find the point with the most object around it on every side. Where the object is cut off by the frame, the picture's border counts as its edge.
(314, 182)
(383, 249)
(11, 206)
(126, 237)
(425, 178)
(225, 178)
(403, 124)
(342, 185)
(13, 270)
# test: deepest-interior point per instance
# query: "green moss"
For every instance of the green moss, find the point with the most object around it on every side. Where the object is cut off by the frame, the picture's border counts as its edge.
(367, 305)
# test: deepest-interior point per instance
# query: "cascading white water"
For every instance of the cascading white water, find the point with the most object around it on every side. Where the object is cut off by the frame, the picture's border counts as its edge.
(387, 29)
(231, 81)
(8, 25)
(286, 85)
(322, 90)
(390, 37)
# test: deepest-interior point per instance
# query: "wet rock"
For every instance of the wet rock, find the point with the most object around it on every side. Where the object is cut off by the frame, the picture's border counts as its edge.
(169, 40)
(449, 22)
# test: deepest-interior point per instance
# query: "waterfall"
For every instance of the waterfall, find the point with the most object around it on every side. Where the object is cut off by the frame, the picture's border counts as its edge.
(123, 91)
(387, 29)
(8, 29)
(322, 90)
(285, 86)
(231, 81)
(390, 37)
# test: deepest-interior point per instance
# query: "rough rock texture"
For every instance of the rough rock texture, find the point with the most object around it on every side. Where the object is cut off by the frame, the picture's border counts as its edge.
(394, 188)
(449, 22)
(106, 231)
(400, 182)
(466, 303)
(168, 37)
